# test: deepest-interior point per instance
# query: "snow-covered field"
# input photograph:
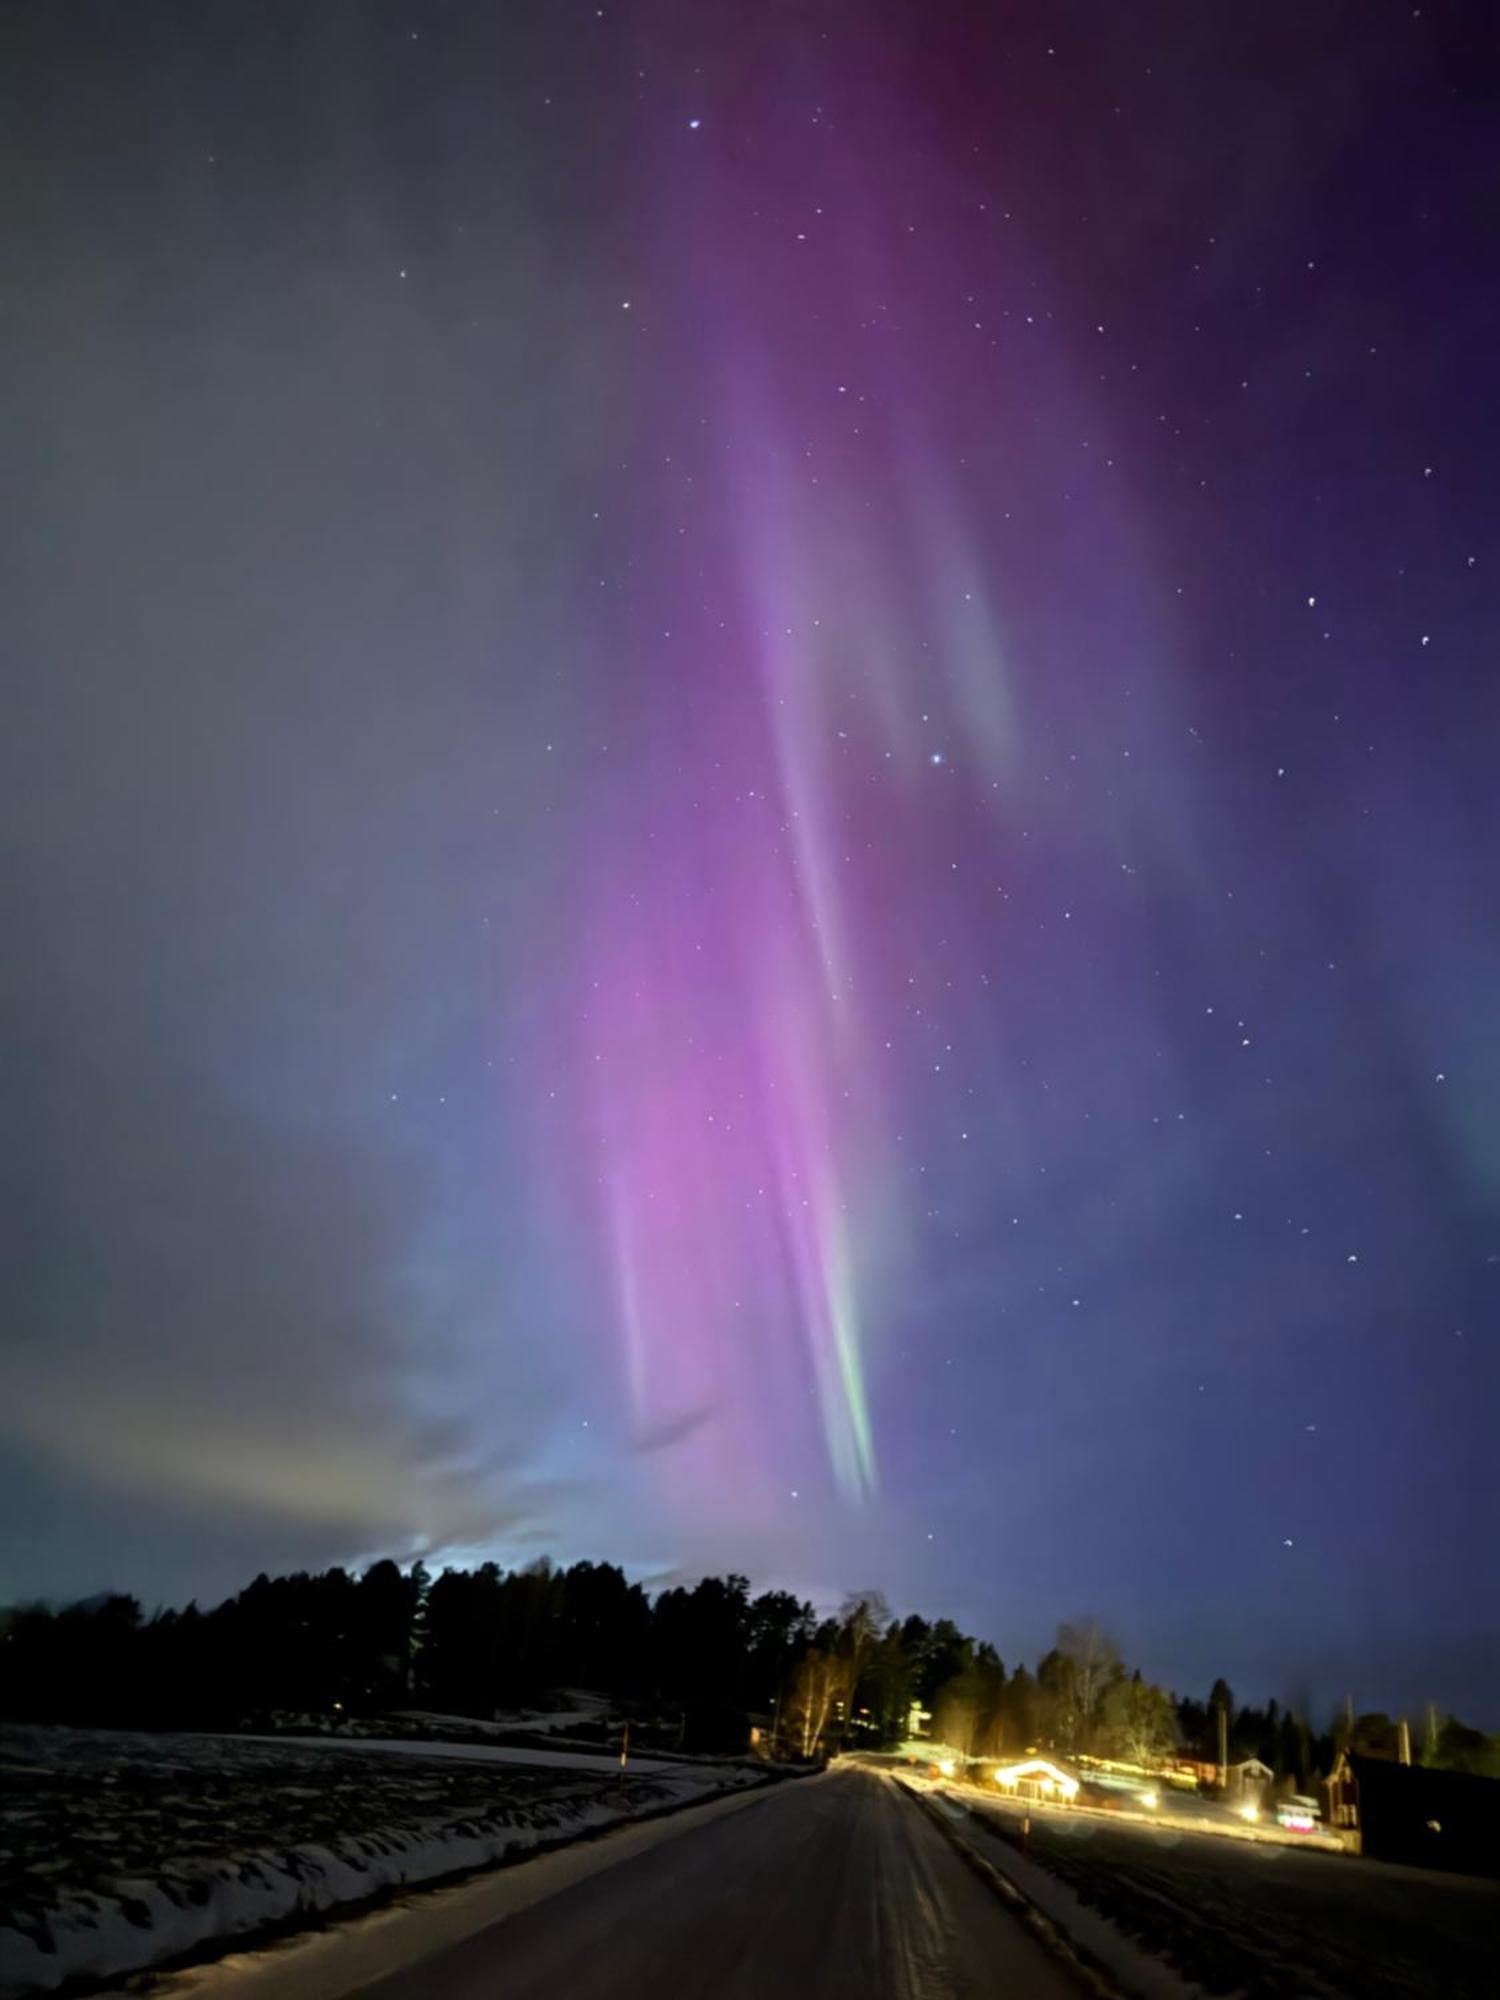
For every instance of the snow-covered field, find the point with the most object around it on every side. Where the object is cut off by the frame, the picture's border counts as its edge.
(478, 1753)
(1266, 1921)
(119, 1851)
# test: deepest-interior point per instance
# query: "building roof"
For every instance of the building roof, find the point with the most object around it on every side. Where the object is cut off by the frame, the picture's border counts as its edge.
(1040, 1768)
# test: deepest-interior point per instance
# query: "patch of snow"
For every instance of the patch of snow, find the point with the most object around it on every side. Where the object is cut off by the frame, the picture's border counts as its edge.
(587, 1709)
(217, 1854)
(482, 1753)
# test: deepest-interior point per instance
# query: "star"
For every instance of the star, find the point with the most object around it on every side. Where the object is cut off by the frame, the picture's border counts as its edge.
(739, 943)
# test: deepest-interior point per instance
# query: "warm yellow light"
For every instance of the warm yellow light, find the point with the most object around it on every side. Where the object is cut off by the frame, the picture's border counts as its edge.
(1047, 1777)
(947, 1767)
(1151, 1799)
(1251, 1813)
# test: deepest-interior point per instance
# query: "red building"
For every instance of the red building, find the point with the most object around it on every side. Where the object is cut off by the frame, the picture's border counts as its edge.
(1405, 1812)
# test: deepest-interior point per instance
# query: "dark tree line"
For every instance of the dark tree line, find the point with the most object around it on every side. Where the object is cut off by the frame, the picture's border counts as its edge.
(467, 1642)
(696, 1667)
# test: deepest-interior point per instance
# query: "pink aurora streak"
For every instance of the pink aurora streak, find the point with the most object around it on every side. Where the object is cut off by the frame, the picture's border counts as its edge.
(757, 902)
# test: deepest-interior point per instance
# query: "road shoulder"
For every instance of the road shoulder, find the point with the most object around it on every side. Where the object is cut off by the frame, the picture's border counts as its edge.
(352, 1953)
(1116, 1968)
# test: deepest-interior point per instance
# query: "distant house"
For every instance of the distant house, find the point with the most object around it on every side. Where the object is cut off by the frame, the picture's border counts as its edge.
(1036, 1778)
(1194, 1770)
(1249, 1782)
(1404, 1812)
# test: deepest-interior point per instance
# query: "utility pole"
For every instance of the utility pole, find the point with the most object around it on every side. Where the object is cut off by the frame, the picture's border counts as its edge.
(1223, 1748)
(1403, 1742)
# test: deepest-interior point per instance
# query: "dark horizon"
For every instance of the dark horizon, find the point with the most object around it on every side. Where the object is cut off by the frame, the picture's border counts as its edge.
(755, 810)
(1301, 1689)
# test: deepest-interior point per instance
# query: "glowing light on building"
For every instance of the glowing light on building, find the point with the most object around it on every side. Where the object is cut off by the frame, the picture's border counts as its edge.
(1036, 1774)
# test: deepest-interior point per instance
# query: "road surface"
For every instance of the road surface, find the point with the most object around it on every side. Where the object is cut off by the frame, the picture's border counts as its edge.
(831, 1888)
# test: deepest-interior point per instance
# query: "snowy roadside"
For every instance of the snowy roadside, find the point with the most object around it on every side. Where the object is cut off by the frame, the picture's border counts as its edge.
(478, 1753)
(1108, 1962)
(336, 1960)
(122, 1852)
(1164, 1911)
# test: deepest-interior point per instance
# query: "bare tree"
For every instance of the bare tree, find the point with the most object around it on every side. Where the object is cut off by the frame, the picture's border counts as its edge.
(1095, 1660)
(821, 1681)
(862, 1619)
(1138, 1722)
(956, 1712)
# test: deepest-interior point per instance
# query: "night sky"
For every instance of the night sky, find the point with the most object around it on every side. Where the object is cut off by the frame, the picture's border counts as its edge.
(757, 809)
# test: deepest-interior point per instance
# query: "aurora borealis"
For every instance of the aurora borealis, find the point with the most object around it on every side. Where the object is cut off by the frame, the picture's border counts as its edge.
(757, 807)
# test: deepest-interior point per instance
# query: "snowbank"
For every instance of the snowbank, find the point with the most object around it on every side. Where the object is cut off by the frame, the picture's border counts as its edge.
(607, 1761)
(69, 1913)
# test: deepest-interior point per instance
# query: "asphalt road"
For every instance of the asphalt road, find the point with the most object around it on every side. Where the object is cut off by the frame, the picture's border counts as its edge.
(832, 1888)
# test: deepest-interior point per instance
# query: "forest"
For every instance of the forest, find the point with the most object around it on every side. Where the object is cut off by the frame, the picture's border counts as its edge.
(694, 1668)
